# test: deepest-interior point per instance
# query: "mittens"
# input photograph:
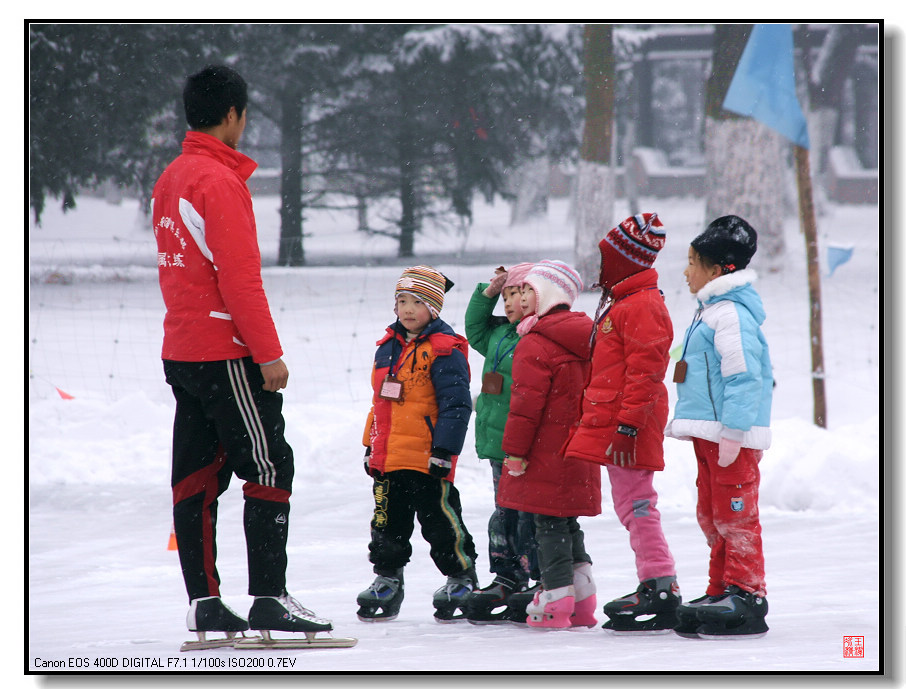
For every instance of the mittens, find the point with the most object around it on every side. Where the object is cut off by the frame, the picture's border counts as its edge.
(622, 446)
(727, 451)
(516, 466)
(496, 285)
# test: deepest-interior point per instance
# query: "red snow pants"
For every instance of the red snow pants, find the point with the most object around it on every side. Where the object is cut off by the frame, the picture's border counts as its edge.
(727, 512)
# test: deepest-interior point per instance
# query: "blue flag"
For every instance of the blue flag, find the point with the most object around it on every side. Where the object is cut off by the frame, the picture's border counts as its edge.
(764, 85)
(837, 256)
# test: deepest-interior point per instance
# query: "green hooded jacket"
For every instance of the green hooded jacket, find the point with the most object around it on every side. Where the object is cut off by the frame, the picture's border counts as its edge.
(495, 338)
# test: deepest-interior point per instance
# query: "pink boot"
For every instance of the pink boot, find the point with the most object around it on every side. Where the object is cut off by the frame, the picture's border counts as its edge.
(586, 600)
(552, 609)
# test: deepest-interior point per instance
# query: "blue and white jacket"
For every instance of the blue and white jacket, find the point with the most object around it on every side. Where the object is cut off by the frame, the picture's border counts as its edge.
(728, 385)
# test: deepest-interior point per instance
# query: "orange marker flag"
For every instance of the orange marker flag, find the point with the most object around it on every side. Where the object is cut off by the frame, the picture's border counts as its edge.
(65, 395)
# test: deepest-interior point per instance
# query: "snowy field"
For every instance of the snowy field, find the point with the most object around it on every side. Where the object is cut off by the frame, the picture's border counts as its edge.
(102, 585)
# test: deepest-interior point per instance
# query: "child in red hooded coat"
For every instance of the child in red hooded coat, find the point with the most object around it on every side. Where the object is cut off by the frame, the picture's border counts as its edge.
(550, 365)
(624, 413)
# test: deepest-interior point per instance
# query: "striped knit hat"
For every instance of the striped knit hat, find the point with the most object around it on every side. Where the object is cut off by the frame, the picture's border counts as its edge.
(630, 247)
(425, 283)
(554, 283)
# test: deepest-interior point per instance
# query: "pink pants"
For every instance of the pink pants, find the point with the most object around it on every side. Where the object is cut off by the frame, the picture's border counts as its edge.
(728, 515)
(635, 502)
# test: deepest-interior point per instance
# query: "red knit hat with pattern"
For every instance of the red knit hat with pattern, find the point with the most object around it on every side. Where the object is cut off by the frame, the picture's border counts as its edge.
(630, 247)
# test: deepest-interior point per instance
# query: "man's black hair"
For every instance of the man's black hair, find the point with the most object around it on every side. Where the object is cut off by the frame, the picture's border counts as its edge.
(209, 94)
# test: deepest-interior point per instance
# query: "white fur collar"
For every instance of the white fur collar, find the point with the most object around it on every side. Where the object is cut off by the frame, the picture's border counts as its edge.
(724, 283)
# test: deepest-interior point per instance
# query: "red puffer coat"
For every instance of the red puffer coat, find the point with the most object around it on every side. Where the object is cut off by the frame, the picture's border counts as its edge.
(550, 367)
(629, 361)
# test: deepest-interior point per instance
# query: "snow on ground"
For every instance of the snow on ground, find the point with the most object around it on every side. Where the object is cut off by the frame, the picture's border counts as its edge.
(103, 587)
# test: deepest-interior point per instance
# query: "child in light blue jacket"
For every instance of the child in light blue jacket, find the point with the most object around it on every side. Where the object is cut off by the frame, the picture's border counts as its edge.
(724, 391)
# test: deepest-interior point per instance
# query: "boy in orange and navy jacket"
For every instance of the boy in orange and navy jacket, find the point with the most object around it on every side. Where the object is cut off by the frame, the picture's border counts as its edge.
(415, 431)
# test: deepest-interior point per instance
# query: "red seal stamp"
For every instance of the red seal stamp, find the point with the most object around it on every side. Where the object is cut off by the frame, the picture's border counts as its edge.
(853, 646)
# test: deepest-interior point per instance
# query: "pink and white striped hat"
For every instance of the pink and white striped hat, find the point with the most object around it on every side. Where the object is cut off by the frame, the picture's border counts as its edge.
(554, 283)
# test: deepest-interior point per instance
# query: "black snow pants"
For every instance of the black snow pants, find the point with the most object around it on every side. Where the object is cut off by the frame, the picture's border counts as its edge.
(400, 497)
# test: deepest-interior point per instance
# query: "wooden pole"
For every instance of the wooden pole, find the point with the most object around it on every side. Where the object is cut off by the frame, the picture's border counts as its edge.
(810, 230)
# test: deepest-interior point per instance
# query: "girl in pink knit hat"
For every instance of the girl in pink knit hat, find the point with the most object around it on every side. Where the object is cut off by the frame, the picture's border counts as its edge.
(511, 533)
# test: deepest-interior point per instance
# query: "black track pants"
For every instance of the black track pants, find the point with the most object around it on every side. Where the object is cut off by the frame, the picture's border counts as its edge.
(227, 424)
(399, 497)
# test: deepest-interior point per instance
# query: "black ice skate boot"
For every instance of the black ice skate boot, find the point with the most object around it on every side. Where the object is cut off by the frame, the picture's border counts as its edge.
(450, 598)
(651, 609)
(734, 614)
(212, 615)
(687, 623)
(284, 614)
(489, 605)
(517, 606)
(381, 601)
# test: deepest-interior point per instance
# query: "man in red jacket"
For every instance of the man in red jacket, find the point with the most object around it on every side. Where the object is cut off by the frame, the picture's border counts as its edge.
(222, 359)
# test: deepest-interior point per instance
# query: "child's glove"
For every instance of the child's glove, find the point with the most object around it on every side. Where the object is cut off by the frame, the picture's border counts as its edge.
(727, 451)
(496, 286)
(439, 467)
(516, 466)
(622, 446)
(368, 469)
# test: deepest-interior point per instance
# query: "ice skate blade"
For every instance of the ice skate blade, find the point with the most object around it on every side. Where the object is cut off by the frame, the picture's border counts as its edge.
(637, 632)
(450, 620)
(309, 640)
(377, 618)
(482, 623)
(204, 644)
(687, 635)
(731, 637)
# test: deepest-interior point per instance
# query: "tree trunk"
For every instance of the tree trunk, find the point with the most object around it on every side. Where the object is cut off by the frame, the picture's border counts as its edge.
(291, 252)
(827, 76)
(532, 188)
(595, 185)
(745, 170)
(746, 176)
(407, 216)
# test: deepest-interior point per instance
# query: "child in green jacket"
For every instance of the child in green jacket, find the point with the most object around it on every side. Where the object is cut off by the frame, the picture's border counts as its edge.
(511, 534)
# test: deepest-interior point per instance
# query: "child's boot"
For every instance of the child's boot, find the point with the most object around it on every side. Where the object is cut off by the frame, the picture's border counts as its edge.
(586, 598)
(381, 601)
(735, 613)
(489, 604)
(518, 603)
(687, 623)
(552, 609)
(651, 608)
(450, 598)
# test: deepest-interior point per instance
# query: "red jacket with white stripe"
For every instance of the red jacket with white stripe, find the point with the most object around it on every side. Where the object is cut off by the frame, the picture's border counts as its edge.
(208, 257)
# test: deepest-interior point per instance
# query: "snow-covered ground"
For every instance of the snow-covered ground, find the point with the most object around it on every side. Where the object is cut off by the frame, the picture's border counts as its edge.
(103, 587)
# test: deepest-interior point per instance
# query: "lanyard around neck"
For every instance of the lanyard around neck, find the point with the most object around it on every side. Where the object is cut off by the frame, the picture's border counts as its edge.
(498, 357)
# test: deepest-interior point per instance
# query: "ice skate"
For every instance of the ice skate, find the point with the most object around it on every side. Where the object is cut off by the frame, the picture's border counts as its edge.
(212, 615)
(735, 614)
(687, 623)
(517, 604)
(552, 609)
(450, 598)
(381, 601)
(285, 614)
(489, 605)
(650, 609)
(586, 598)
